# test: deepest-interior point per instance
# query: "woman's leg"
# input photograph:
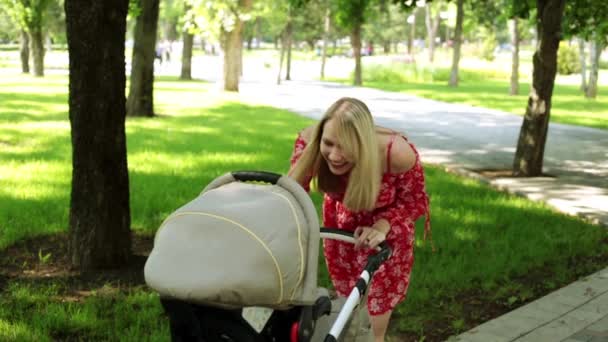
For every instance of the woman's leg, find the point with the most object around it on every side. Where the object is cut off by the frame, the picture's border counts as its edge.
(379, 325)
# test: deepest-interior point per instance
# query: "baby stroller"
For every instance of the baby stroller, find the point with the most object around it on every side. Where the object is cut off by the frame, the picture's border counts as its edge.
(250, 240)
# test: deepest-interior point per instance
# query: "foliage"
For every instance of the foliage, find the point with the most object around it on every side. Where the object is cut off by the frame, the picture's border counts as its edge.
(28, 14)
(488, 46)
(587, 19)
(568, 59)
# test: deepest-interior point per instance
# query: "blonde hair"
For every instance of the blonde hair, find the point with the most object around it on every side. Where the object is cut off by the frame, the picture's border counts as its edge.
(357, 134)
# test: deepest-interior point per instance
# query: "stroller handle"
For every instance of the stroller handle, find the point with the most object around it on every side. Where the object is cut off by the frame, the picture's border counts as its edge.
(383, 250)
(256, 176)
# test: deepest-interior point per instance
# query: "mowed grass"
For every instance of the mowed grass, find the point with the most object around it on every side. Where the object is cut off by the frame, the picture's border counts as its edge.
(489, 88)
(485, 239)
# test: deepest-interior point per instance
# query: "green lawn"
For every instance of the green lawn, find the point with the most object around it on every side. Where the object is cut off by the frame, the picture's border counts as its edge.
(486, 240)
(490, 89)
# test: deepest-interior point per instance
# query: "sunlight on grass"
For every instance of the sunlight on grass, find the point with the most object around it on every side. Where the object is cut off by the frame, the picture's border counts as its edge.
(489, 88)
(483, 238)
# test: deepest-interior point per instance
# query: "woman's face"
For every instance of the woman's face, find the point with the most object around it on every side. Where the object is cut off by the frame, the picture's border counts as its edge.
(332, 152)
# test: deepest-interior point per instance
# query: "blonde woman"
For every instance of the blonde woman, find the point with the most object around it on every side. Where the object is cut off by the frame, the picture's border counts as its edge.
(373, 185)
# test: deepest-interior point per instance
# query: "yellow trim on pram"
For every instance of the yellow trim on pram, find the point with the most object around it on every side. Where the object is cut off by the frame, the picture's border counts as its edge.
(295, 216)
(276, 264)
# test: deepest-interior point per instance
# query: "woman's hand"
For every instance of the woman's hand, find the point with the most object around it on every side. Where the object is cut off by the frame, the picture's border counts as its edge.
(368, 237)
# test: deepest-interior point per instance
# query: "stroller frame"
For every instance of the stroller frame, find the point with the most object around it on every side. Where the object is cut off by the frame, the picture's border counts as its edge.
(193, 322)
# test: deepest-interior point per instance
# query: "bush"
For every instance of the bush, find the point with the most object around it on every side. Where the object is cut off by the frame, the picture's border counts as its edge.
(568, 59)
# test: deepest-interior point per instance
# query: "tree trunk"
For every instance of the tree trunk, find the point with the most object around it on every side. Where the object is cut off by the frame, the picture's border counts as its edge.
(141, 90)
(412, 34)
(325, 41)
(288, 43)
(431, 30)
(530, 151)
(99, 227)
(187, 56)
(281, 58)
(457, 43)
(37, 48)
(595, 51)
(355, 38)
(24, 52)
(514, 26)
(583, 59)
(258, 32)
(232, 43)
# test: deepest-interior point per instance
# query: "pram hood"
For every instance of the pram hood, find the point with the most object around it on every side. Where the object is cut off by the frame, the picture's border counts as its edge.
(239, 244)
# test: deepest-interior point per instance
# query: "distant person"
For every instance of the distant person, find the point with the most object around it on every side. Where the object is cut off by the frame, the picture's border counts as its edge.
(373, 185)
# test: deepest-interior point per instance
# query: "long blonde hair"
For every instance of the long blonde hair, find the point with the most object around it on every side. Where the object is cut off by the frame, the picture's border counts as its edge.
(357, 135)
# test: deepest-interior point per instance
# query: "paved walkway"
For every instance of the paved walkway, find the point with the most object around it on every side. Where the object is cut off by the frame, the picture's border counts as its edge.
(465, 138)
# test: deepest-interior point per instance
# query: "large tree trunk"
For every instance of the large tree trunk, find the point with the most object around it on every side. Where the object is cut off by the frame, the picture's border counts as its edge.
(325, 41)
(37, 48)
(453, 82)
(99, 227)
(355, 39)
(514, 26)
(595, 51)
(431, 30)
(141, 90)
(24, 52)
(583, 59)
(187, 56)
(288, 43)
(533, 134)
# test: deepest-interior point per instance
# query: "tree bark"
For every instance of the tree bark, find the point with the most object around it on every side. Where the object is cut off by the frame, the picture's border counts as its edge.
(514, 26)
(583, 59)
(24, 52)
(141, 90)
(355, 38)
(232, 43)
(37, 48)
(595, 51)
(99, 223)
(288, 43)
(530, 151)
(282, 57)
(187, 56)
(453, 82)
(412, 34)
(431, 30)
(325, 41)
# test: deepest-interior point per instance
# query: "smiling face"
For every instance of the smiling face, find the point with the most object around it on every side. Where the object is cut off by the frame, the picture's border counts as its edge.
(333, 152)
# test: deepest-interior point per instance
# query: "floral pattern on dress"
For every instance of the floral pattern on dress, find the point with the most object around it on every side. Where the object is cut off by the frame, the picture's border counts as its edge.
(402, 199)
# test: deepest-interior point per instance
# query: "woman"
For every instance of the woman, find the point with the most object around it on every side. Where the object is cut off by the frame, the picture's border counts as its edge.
(373, 183)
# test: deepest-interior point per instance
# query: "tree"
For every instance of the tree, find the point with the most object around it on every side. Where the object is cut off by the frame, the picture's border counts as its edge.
(141, 91)
(188, 36)
(529, 155)
(432, 25)
(99, 224)
(350, 14)
(588, 19)
(224, 20)
(457, 43)
(30, 15)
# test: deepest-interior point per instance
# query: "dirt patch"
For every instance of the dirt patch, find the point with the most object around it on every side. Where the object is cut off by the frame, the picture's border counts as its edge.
(45, 259)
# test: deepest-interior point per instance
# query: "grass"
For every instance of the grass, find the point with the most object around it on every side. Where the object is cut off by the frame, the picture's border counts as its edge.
(485, 239)
(489, 88)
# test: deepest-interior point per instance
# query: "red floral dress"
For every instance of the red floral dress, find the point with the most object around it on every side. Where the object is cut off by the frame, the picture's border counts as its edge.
(402, 199)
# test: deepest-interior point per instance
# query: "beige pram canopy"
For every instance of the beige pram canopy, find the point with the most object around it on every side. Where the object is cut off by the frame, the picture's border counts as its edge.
(239, 243)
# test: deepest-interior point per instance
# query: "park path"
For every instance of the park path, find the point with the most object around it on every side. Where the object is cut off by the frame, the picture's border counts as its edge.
(465, 138)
